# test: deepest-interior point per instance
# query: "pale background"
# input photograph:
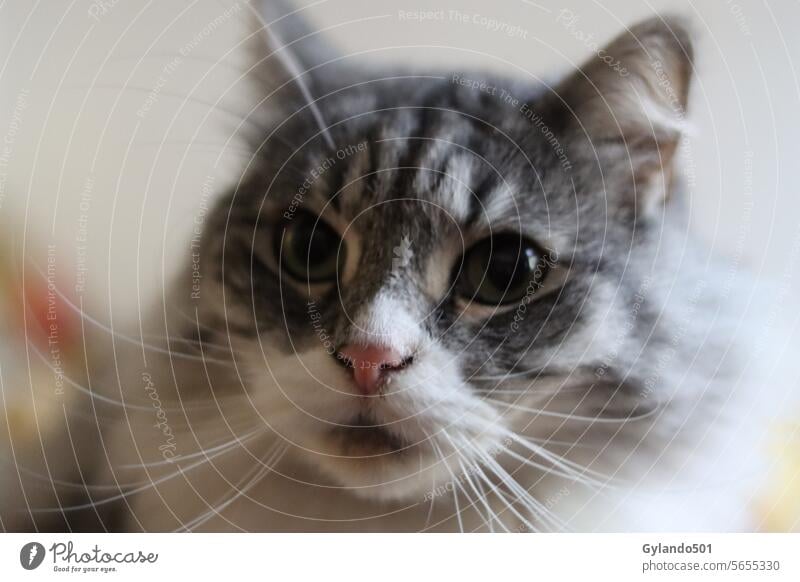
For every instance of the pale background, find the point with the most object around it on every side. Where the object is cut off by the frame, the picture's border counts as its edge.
(71, 85)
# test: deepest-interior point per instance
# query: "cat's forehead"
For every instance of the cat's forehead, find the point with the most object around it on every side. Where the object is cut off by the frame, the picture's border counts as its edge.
(430, 159)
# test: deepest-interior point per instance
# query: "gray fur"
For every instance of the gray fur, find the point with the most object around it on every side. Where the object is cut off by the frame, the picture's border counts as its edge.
(588, 175)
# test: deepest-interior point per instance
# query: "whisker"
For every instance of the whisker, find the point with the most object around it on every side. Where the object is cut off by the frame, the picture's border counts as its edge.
(570, 474)
(137, 490)
(80, 387)
(438, 458)
(529, 390)
(284, 54)
(459, 457)
(86, 317)
(238, 441)
(570, 416)
(534, 374)
(74, 485)
(559, 460)
(215, 107)
(455, 493)
(524, 496)
(433, 500)
(475, 467)
(500, 495)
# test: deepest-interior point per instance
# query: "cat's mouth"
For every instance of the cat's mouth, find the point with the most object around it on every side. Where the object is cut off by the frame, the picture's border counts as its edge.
(364, 437)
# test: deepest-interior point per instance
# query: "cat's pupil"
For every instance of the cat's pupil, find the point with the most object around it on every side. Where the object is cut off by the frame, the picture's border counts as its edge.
(498, 270)
(507, 267)
(311, 249)
(316, 243)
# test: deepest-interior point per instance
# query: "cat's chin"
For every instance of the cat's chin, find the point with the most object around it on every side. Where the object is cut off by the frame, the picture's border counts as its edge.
(378, 480)
(376, 465)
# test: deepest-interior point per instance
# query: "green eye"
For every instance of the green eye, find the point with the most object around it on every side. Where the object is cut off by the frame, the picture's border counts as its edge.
(308, 249)
(501, 269)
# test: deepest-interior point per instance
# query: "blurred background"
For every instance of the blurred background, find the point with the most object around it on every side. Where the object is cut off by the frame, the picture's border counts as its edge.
(119, 120)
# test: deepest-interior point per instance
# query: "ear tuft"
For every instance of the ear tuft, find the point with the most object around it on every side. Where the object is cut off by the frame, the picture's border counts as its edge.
(646, 90)
(628, 105)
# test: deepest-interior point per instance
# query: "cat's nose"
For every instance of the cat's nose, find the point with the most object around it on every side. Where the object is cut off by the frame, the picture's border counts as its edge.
(370, 364)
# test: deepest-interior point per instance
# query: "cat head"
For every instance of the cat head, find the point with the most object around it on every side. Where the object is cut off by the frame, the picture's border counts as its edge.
(426, 266)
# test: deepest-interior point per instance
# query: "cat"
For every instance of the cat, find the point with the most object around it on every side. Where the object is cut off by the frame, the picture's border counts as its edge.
(432, 302)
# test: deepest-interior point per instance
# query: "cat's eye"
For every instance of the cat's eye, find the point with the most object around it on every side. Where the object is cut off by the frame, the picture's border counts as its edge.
(501, 269)
(309, 249)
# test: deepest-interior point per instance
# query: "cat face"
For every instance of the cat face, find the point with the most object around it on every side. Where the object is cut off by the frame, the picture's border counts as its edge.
(415, 272)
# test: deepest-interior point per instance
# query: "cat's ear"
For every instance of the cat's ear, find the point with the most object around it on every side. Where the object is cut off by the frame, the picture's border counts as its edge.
(290, 54)
(631, 99)
(287, 28)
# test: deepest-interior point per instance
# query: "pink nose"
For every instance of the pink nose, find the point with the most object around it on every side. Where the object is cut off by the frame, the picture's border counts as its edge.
(370, 364)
